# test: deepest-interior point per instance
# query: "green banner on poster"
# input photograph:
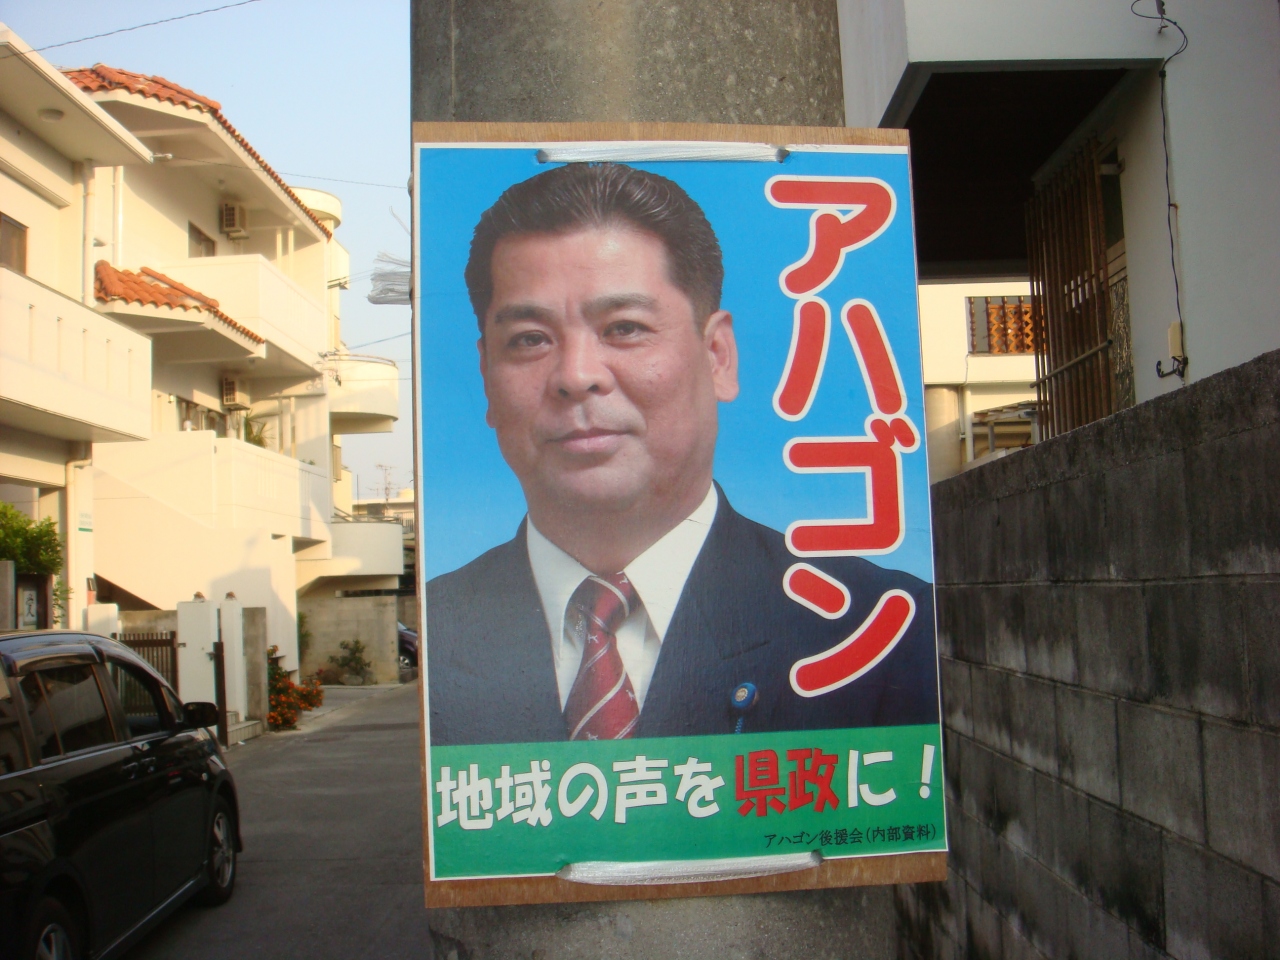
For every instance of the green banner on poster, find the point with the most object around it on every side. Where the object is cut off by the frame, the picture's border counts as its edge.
(529, 809)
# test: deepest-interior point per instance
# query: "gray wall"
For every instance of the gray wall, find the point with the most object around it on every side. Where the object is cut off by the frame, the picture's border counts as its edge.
(331, 620)
(149, 621)
(1109, 618)
(255, 662)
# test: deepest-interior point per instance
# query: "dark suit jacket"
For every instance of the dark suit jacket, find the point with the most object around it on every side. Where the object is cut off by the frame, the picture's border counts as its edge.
(492, 680)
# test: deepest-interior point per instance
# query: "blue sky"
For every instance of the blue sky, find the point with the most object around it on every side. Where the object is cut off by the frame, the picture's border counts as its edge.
(319, 87)
(472, 502)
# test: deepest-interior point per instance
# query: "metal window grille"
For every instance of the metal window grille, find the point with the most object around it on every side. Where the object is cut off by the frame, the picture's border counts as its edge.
(158, 649)
(1001, 325)
(1067, 260)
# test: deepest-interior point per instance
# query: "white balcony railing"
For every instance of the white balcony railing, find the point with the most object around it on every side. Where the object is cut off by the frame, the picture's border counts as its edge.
(258, 487)
(364, 393)
(225, 482)
(75, 374)
(251, 291)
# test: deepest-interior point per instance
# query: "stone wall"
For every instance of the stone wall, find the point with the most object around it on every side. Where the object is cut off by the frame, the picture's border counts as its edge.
(1109, 624)
(149, 621)
(331, 620)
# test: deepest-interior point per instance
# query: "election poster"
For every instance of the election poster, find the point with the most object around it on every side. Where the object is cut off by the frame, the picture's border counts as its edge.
(674, 548)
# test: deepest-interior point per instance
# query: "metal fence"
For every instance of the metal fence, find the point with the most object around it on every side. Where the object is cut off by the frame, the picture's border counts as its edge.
(1067, 260)
(1001, 325)
(158, 649)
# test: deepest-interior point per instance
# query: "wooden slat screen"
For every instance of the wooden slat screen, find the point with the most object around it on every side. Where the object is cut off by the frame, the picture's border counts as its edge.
(1067, 260)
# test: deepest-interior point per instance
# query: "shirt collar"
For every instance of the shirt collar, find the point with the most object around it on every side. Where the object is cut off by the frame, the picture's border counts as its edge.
(658, 574)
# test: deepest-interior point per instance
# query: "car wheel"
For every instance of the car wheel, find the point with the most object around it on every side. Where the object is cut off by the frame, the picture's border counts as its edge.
(406, 662)
(220, 867)
(55, 935)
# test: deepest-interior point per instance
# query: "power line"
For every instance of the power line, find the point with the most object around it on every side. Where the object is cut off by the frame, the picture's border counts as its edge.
(370, 343)
(361, 183)
(153, 23)
(283, 173)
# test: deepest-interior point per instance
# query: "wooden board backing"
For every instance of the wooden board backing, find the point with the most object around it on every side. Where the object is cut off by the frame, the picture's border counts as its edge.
(729, 132)
(862, 871)
(851, 872)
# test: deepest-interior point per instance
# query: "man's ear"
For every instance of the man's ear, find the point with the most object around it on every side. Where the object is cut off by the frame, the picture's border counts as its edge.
(722, 350)
(484, 377)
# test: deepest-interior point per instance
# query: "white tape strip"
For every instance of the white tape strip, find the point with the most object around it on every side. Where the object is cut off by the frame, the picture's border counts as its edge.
(624, 151)
(686, 871)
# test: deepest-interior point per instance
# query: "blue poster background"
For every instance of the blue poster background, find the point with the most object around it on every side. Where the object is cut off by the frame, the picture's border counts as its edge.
(469, 499)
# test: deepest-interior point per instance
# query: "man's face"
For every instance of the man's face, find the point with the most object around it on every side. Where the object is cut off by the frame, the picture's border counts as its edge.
(602, 385)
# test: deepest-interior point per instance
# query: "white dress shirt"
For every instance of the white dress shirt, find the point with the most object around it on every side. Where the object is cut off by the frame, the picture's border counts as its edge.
(658, 575)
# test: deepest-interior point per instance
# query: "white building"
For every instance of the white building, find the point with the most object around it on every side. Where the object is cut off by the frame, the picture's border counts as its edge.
(190, 297)
(978, 359)
(1017, 105)
(70, 377)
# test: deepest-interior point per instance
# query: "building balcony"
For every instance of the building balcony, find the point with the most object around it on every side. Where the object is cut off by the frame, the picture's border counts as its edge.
(359, 549)
(67, 371)
(364, 394)
(253, 292)
(226, 483)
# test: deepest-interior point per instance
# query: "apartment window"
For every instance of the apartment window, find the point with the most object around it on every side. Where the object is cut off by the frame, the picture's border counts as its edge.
(1000, 325)
(13, 244)
(194, 416)
(199, 244)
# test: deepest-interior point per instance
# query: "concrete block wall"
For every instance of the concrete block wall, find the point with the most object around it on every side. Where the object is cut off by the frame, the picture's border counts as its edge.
(1109, 626)
(371, 620)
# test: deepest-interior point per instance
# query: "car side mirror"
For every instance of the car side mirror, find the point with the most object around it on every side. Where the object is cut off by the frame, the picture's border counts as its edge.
(200, 714)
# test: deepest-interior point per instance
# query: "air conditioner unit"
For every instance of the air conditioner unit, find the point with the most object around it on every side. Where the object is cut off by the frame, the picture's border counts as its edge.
(234, 395)
(233, 221)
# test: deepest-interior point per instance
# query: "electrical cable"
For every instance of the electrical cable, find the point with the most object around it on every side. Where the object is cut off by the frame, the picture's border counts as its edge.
(1180, 363)
(153, 23)
(283, 173)
(370, 343)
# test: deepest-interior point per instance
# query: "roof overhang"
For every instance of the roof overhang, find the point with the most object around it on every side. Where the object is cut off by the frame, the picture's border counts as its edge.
(30, 84)
(192, 138)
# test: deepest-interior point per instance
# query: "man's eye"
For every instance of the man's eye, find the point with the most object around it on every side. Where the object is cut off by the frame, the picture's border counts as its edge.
(625, 328)
(530, 338)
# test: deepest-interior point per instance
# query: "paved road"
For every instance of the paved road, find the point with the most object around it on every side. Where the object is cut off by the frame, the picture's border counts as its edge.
(332, 866)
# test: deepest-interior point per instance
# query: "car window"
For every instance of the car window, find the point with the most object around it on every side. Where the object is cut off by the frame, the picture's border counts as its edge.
(13, 755)
(79, 713)
(43, 732)
(140, 697)
(175, 706)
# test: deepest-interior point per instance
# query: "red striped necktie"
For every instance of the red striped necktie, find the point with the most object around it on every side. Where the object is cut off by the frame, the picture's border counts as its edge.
(602, 704)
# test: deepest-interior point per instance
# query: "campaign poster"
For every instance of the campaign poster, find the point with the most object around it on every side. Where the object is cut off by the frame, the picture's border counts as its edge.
(674, 534)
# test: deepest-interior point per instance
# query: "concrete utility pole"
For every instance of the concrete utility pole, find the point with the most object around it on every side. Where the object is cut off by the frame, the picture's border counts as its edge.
(701, 61)
(710, 61)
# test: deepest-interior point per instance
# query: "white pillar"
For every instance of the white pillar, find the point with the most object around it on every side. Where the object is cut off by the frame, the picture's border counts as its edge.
(197, 630)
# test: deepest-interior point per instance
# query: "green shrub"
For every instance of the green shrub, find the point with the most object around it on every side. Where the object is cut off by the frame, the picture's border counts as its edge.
(352, 659)
(33, 545)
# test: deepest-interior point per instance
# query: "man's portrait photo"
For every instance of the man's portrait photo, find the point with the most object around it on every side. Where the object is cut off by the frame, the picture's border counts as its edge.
(632, 598)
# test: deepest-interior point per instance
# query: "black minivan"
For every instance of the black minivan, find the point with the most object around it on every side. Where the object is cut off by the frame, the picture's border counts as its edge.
(115, 803)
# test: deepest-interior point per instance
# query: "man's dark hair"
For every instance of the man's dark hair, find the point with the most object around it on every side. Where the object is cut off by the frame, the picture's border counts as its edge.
(584, 195)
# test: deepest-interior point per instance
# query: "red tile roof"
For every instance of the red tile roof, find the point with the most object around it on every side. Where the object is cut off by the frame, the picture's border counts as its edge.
(101, 77)
(151, 288)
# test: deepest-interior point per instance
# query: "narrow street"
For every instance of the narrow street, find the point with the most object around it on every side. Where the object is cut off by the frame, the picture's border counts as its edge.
(332, 866)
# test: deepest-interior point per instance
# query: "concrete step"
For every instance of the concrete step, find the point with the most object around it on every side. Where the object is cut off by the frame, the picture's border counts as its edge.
(245, 730)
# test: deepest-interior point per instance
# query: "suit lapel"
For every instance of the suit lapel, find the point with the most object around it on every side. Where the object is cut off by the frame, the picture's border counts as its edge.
(702, 642)
(522, 668)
